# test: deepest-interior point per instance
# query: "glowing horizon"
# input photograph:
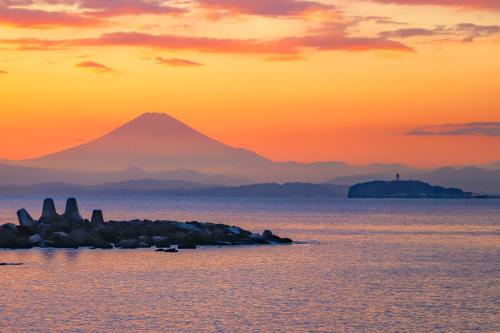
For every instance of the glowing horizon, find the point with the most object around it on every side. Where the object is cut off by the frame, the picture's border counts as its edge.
(413, 82)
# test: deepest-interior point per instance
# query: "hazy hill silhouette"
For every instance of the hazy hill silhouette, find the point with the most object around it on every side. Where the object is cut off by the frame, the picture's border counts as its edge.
(158, 146)
(153, 141)
(21, 175)
(156, 141)
(179, 188)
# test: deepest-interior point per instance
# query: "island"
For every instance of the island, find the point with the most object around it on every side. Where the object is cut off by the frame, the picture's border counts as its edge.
(405, 189)
(71, 230)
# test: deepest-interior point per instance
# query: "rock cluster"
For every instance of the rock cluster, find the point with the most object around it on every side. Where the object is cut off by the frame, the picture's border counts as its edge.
(71, 230)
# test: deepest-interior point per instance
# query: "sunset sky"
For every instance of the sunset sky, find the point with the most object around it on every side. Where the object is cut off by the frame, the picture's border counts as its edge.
(409, 81)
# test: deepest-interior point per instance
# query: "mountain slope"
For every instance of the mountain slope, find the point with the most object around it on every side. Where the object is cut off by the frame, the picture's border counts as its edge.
(152, 141)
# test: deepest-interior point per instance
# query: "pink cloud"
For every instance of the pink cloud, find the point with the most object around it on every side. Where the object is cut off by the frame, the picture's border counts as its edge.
(109, 8)
(95, 67)
(472, 4)
(321, 40)
(20, 14)
(34, 44)
(266, 7)
(463, 32)
(176, 62)
(477, 128)
(174, 42)
(289, 45)
(286, 58)
(30, 18)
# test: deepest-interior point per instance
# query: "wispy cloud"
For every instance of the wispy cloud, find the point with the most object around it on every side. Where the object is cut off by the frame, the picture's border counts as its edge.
(409, 32)
(177, 62)
(477, 128)
(473, 31)
(334, 40)
(2, 72)
(95, 67)
(285, 58)
(109, 8)
(471, 4)
(464, 32)
(378, 20)
(273, 8)
(35, 18)
(27, 13)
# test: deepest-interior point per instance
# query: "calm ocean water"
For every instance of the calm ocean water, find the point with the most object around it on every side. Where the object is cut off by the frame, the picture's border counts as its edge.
(366, 266)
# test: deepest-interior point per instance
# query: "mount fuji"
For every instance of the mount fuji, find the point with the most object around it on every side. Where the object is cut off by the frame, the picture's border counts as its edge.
(154, 142)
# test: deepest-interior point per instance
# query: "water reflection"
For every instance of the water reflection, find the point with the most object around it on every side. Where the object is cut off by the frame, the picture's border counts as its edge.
(408, 268)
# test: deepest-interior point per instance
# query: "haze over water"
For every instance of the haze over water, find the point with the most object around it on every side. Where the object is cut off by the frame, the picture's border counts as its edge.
(365, 265)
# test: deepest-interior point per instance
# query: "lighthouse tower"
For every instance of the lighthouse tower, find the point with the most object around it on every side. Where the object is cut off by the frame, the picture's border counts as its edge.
(398, 177)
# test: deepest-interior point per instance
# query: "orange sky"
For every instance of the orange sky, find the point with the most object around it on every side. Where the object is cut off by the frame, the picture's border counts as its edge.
(351, 80)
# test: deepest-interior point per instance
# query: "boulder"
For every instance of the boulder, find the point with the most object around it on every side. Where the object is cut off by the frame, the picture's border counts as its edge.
(7, 238)
(130, 229)
(78, 237)
(22, 243)
(103, 246)
(72, 213)
(35, 240)
(186, 246)
(285, 240)
(145, 239)
(234, 230)
(49, 213)
(58, 236)
(61, 239)
(92, 238)
(160, 241)
(159, 228)
(47, 243)
(45, 230)
(258, 239)
(267, 234)
(218, 235)
(129, 244)
(12, 229)
(189, 226)
(108, 232)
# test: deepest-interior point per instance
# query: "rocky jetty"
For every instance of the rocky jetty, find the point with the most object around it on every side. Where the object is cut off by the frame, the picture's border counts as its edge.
(71, 230)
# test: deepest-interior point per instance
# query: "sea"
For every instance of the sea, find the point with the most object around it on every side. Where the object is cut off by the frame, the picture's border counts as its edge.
(358, 265)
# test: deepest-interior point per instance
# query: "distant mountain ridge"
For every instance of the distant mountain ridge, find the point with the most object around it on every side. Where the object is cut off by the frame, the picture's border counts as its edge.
(158, 142)
(158, 146)
(21, 176)
(155, 187)
(493, 165)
